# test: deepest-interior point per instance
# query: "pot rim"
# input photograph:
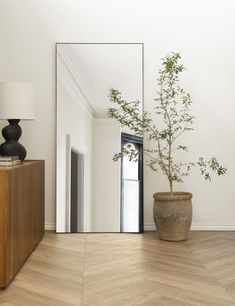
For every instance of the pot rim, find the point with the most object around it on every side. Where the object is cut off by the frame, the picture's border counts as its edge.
(177, 196)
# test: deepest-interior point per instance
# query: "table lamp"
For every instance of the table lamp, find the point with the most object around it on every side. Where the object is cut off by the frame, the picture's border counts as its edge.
(16, 103)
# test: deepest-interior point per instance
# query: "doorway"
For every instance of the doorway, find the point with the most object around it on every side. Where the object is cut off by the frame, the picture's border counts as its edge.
(76, 192)
(132, 186)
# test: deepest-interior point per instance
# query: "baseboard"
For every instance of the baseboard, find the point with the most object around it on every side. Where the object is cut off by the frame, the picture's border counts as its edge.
(212, 227)
(198, 227)
(149, 227)
(50, 226)
(194, 227)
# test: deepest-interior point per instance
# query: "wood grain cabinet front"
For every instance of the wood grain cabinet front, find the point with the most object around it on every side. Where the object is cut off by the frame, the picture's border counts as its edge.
(21, 215)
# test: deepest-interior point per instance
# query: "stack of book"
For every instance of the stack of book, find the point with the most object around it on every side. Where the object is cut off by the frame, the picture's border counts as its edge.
(9, 161)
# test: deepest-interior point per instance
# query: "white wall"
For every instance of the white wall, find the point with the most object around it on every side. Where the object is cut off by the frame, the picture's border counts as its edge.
(203, 31)
(98, 140)
(106, 176)
(75, 120)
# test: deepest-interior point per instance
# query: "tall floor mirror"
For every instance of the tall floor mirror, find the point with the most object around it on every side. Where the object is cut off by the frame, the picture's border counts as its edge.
(95, 192)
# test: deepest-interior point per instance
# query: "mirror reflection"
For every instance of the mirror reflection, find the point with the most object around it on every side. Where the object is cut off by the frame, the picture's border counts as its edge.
(96, 190)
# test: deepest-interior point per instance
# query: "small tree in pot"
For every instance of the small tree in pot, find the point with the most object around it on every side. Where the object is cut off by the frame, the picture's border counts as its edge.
(172, 210)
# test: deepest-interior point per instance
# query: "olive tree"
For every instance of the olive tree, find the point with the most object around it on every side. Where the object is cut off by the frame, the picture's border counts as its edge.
(172, 117)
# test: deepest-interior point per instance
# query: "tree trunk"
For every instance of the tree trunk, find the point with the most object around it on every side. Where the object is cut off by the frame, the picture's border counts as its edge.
(171, 187)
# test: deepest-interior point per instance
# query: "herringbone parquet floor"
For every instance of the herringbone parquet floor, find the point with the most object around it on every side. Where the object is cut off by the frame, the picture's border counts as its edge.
(127, 270)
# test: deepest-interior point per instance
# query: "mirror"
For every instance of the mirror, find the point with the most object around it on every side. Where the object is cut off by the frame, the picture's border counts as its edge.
(94, 192)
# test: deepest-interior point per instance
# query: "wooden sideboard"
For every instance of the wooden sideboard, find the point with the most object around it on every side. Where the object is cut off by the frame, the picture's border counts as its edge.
(21, 215)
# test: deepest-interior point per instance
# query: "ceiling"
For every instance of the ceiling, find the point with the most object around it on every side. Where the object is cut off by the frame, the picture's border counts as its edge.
(105, 66)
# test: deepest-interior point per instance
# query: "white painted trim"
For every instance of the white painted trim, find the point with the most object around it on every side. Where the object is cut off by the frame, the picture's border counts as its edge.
(50, 227)
(72, 143)
(77, 80)
(149, 227)
(65, 79)
(67, 182)
(212, 227)
(198, 227)
(105, 120)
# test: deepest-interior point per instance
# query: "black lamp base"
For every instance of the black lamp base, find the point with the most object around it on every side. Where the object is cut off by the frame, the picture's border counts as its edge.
(11, 147)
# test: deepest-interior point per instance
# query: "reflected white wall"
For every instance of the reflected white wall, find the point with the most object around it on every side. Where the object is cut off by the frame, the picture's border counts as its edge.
(73, 119)
(82, 102)
(106, 176)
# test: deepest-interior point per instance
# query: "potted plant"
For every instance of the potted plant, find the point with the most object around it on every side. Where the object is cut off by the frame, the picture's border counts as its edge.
(172, 118)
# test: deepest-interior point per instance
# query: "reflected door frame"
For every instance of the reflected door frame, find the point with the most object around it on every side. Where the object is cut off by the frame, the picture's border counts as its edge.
(75, 146)
(138, 142)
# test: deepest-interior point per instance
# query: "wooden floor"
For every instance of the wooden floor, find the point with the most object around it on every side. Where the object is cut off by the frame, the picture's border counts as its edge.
(127, 269)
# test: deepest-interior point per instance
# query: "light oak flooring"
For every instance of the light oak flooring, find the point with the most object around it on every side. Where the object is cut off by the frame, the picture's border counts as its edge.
(127, 270)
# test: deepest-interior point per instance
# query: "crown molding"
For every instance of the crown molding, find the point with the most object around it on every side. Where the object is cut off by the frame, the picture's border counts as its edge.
(76, 82)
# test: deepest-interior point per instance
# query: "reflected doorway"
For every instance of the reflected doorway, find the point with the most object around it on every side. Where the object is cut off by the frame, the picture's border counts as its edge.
(132, 187)
(76, 192)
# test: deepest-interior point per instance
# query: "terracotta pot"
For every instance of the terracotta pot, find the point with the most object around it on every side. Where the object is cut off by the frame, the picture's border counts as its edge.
(172, 215)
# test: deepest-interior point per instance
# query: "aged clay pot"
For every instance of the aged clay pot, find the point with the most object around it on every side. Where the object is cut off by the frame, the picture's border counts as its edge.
(172, 215)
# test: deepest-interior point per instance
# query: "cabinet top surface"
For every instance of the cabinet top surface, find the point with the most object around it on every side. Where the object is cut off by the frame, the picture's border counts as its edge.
(25, 163)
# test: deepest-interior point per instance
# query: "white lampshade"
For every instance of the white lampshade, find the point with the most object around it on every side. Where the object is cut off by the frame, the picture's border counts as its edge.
(16, 100)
